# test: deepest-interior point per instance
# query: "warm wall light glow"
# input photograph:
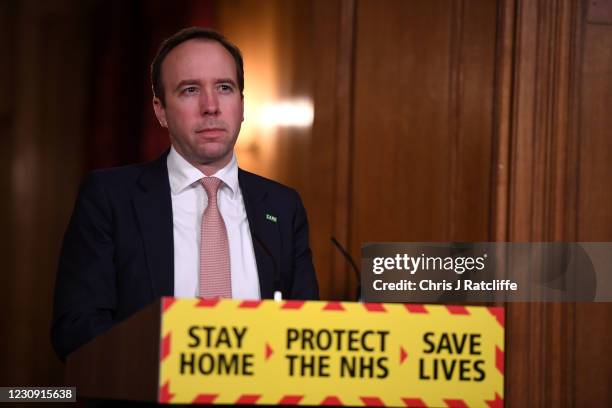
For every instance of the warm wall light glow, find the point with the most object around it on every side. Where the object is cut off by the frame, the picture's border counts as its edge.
(275, 106)
(290, 113)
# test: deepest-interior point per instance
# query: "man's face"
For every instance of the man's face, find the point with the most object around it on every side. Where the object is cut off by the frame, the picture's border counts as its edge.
(204, 108)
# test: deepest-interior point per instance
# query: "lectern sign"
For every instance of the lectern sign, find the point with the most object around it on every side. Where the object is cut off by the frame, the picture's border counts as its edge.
(330, 353)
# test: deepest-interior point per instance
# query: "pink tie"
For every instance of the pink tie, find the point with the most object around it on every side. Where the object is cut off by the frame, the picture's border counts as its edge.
(215, 275)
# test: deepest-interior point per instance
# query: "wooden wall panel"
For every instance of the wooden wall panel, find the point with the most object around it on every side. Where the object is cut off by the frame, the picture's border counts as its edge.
(422, 121)
(7, 77)
(292, 54)
(595, 201)
(344, 281)
(534, 200)
(552, 155)
(471, 123)
(594, 217)
(401, 148)
(46, 134)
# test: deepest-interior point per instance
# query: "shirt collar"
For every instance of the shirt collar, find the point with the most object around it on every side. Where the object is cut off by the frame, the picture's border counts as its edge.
(183, 174)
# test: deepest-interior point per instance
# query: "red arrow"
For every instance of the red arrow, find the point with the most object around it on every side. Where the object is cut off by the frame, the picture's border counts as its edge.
(269, 351)
(403, 355)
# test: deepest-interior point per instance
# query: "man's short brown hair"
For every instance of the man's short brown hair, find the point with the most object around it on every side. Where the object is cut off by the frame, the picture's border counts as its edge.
(189, 34)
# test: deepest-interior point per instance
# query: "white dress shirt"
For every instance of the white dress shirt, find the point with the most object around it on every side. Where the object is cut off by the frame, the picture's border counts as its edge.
(189, 201)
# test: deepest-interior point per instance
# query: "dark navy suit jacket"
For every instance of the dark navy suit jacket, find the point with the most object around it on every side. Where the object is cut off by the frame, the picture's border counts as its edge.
(118, 251)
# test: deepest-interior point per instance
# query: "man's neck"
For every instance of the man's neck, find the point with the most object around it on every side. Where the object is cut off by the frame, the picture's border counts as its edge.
(208, 169)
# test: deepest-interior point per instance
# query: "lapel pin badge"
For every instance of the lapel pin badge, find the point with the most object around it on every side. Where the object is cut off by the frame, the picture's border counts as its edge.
(270, 218)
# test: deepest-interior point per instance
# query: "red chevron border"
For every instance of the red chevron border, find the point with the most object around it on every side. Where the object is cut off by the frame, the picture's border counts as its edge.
(207, 303)
(375, 307)
(372, 402)
(499, 359)
(205, 399)
(247, 399)
(250, 304)
(290, 400)
(498, 402)
(412, 402)
(331, 401)
(293, 304)
(165, 347)
(164, 395)
(167, 301)
(415, 308)
(334, 306)
(455, 403)
(499, 314)
(457, 310)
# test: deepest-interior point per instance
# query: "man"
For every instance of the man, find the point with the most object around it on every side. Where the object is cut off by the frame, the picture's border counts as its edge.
(189, 224)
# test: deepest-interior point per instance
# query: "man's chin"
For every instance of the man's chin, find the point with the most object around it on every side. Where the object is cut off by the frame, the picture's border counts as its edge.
(209, 158)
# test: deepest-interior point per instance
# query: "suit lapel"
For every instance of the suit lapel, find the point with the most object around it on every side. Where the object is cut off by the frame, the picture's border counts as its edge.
(153, 207)
(265, 233)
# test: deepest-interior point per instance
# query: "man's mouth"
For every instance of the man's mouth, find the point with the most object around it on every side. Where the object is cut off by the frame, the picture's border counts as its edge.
(210, 130)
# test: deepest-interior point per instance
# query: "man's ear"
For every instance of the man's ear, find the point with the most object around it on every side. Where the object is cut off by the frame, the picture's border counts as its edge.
(160, 111)
(242, 102)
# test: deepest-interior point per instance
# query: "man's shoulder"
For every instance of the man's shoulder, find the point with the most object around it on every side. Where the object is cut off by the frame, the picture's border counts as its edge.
(121, 174)
(259, 183)
(123, 177)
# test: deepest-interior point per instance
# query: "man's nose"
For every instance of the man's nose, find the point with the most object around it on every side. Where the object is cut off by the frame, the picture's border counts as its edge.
(209, 103)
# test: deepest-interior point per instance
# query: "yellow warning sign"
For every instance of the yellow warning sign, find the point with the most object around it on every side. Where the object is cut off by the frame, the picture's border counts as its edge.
(330, 353)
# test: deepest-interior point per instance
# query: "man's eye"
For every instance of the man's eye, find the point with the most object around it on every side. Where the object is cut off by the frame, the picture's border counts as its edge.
(225, 88)
(190, 90)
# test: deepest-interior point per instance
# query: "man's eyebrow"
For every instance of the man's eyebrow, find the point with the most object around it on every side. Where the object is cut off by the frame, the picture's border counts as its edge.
(226, 81)
(185, 82)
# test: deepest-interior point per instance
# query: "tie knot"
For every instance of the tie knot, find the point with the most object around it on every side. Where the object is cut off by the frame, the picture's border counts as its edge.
(211, 186)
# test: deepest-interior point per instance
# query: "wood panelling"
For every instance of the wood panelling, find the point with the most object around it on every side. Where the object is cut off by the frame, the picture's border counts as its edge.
(544, 122)
(47, 124)
(294, 54)
(401, 155)
(7, 70)
(535, 196)
(599, 11)
(343, 282)
(471, 124)
(594, 216)
(7, 76)
(595, 126)
(422, 121)
(423, 134)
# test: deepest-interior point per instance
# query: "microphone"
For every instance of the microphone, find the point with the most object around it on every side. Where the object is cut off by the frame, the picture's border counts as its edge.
(351, 262)
(278, 294)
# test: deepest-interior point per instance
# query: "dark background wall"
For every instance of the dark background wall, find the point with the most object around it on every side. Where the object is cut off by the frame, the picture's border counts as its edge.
(466, 120)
